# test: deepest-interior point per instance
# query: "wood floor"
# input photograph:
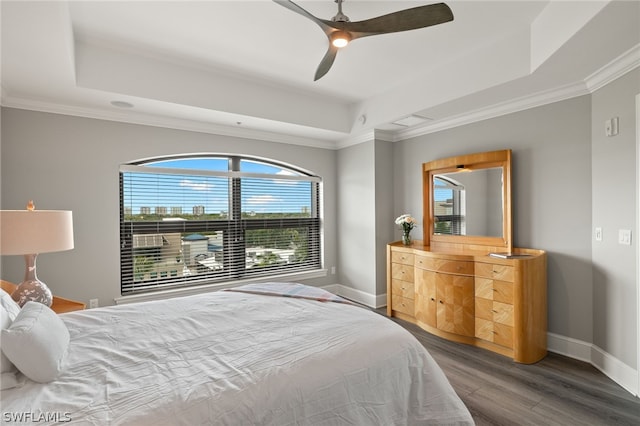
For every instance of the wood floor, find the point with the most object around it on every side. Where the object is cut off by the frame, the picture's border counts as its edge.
(555, 391)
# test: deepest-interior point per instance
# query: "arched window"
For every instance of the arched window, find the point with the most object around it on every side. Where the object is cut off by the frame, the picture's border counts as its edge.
(202, 219)
(449, 206)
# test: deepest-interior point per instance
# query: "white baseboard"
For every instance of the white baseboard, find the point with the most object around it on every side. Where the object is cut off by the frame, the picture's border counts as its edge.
(359, 296)
(609, 365)
(567, 346)
(617, 370)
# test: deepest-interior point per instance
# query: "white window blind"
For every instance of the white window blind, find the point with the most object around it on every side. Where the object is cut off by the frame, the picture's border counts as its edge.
(191, 221)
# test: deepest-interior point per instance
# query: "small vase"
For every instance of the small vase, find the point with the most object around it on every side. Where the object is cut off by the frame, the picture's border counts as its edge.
(406, 238)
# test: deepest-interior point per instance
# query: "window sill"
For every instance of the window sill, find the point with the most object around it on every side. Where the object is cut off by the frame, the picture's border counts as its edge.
(205, 288)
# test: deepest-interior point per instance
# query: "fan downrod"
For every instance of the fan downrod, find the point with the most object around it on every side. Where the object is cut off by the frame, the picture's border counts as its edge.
(340, 17)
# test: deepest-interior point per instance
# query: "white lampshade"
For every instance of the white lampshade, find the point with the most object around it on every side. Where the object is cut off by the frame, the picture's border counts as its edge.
(36, 231)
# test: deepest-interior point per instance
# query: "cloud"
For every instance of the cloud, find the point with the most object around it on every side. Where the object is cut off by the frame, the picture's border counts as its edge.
(196, 186)
(263, 199)
(286, 181)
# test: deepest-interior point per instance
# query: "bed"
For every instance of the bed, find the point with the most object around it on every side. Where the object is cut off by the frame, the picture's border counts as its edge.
(274, 354)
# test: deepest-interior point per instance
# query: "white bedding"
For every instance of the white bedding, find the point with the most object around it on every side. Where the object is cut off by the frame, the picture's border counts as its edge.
(241, 359)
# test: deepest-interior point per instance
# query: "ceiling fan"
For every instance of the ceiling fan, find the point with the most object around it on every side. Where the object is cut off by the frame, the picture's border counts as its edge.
(340, 31)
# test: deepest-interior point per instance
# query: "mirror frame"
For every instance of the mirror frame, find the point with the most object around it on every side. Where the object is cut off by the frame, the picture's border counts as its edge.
(476, 161)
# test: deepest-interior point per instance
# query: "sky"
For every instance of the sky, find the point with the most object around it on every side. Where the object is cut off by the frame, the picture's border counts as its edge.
(259, 195)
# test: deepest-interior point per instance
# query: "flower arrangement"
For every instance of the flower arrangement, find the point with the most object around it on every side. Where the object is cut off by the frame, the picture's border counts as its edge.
(407, 223)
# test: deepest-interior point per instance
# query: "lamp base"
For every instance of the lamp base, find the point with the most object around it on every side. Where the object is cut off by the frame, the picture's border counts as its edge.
(36, 291)
(31, 288)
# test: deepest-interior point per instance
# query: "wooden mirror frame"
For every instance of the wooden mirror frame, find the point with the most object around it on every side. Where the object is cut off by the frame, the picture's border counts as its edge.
(477, 161)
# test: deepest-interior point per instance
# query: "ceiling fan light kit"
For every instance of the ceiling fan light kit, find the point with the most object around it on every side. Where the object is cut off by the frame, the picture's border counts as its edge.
(340, 38)
(340, 30)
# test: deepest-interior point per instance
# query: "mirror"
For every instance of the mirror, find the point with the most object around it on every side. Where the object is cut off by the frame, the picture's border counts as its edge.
(468, 201)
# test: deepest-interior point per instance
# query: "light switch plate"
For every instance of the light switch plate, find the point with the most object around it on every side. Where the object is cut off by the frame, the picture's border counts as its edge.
(624, 237)
(598, 234)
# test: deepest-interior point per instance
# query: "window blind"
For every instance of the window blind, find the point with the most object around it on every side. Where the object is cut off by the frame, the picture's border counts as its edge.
(181, 225)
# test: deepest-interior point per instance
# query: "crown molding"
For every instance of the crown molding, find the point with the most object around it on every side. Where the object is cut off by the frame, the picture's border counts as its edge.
(496, 110)
(356, 139)
(624, 63)
(132, 117)
(615, 69)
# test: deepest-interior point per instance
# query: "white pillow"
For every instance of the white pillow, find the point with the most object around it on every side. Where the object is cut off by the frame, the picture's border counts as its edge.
(7, 369)
(37, 342)
(9, 310)
(5, 322)
(9, 304)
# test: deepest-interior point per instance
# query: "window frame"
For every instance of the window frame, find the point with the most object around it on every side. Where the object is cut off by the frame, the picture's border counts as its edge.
(233, 228)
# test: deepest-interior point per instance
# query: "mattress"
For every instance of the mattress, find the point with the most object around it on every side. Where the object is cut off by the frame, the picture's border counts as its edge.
(240, 358)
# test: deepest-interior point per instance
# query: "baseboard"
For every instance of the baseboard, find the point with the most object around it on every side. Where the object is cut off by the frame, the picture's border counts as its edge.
(359, 296)
(567, 346)
(609, 365)
(617, 370)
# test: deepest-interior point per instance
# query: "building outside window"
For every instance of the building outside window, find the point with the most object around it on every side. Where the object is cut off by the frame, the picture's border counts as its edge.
(187, 221)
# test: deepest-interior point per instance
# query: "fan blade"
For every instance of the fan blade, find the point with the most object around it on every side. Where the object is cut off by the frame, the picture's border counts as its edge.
(326, 62)
(404, 20)
(299, 10)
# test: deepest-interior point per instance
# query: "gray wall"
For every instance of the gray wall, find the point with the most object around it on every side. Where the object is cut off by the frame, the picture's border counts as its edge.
(71, 163)
(385, 221)
(551, 148)
(614, 207)
(365, 212)
(356, 224)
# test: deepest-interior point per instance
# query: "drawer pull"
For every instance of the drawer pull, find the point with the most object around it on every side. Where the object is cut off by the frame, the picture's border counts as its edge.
(433, 300)
(493, 310)
(442, 302)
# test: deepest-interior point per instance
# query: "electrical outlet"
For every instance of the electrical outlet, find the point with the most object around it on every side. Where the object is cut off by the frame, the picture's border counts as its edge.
(93, 303)
(333, 270)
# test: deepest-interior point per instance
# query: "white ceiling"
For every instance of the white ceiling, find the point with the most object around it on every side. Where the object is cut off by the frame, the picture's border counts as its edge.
(246, 67)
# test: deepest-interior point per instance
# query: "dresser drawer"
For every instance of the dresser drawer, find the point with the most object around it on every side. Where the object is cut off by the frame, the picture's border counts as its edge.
(503, 313)
(402, 304)
(503, 335)
(500, 291)
(402, 257)
(494, 271)
(444, 265)
(497, 333)
(490, 310)
(403, 289)
(401, 272)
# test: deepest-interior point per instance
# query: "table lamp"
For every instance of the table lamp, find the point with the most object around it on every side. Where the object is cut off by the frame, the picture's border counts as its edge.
(31, 232)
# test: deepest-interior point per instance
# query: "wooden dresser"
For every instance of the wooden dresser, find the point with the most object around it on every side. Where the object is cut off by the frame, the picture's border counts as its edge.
(470, 297)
